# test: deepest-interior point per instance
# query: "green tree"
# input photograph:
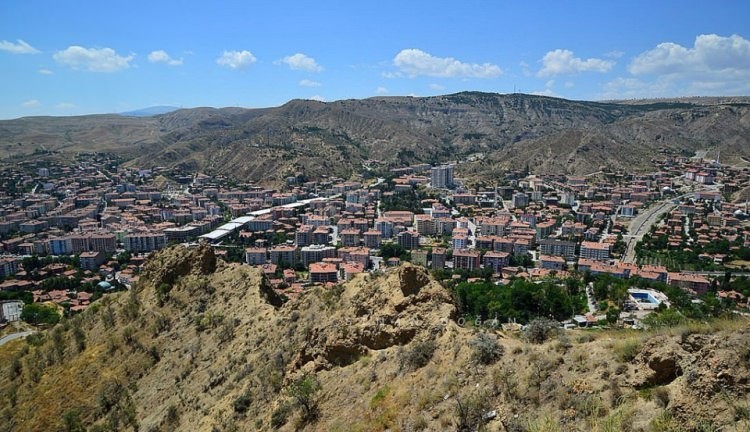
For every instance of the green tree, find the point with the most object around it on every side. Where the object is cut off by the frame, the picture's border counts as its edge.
(303, 393)
(36, 313)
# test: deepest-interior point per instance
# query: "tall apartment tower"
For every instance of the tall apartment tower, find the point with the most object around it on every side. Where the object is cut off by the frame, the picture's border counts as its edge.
(442, 177)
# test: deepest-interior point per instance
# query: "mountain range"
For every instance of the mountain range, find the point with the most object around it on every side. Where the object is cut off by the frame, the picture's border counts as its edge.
(505, 130)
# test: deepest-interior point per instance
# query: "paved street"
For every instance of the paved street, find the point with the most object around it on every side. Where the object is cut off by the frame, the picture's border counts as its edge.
(13, 336)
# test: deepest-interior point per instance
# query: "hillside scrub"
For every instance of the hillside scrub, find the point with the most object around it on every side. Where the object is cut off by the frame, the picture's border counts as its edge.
(379, 352)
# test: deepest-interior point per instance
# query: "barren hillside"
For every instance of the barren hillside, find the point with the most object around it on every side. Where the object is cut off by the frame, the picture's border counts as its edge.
(548, 134)
(202, 345)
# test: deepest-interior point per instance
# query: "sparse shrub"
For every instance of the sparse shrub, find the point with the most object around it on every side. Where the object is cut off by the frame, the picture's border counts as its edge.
(160, 324)
(505, 380)
(741, 412)
(540, 329)
(417, 355)
(543, 423)
(108, 317)
(627, 349)
(664, 422)
(706, 426)
(72, 421)
(615, 394)
(419, 424)
(35, 339)
(226, 330)
(242, 403)
(485, 349)
(280, 416)
(470, 412)
(16, 367)
(162, 293)
(661, 396)
(79, 338)
(563, 343)
(173, 415)
(303, 393)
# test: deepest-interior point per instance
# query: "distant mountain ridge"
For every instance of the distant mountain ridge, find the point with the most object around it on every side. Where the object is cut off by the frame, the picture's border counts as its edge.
(150, 111)
(335, 138)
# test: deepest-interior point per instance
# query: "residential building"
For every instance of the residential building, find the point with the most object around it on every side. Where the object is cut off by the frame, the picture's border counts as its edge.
(144, 242)
(595, 250)
(316, 253)
(552, 262)
(689, 282)
(373, 239)
(419, 257)
(441, 177)
(8, 267)
(496, 260)
(256, 256)
(467, 259)
(561, 248)
(520, 200)
(284, 255)
(408, 240)
(323, 273)
(438, 258)
(91, 260)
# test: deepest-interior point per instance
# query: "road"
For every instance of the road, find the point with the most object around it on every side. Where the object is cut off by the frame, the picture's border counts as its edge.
(13, 336)
(641, 225)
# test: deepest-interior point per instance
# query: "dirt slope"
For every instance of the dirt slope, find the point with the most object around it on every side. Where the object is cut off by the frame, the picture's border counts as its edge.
(201, 345)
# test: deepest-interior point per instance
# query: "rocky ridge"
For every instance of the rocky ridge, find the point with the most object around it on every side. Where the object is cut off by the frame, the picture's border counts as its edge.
(204, 345)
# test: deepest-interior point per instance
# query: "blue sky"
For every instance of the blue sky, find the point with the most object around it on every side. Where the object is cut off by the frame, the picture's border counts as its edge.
(80, 57)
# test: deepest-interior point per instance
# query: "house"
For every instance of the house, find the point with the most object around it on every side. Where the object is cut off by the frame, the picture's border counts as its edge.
(467, 259)
(551, 262)
(255, 256)
(595, 250)
(91, 260)
(689, 282)
(496, 260)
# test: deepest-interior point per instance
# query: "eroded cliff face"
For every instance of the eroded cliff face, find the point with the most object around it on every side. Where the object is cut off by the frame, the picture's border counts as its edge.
(510, 130)
(203, 345)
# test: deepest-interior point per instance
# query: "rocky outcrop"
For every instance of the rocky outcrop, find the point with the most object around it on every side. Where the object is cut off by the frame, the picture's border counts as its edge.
(658, 363)
(392, 311)
(168, 265)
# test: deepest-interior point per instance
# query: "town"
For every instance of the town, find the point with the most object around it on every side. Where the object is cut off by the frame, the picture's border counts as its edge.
(70, 234)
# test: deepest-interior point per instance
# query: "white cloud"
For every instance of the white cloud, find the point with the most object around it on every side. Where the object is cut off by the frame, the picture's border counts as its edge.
(414, 62)
(92, 59)
(161, 56)
(236, 59)
(614, 54)
(65, 105)
(548, 91)
(633, 88)
(713, 66)
(20, 47)
(317, 98)
(301, 61)
(31, 103)
(45, 72)
(389, 75)
(309, 83)
(561, 62)
(525, 69)
(434, 86)
(710, 54)
(381, 90)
